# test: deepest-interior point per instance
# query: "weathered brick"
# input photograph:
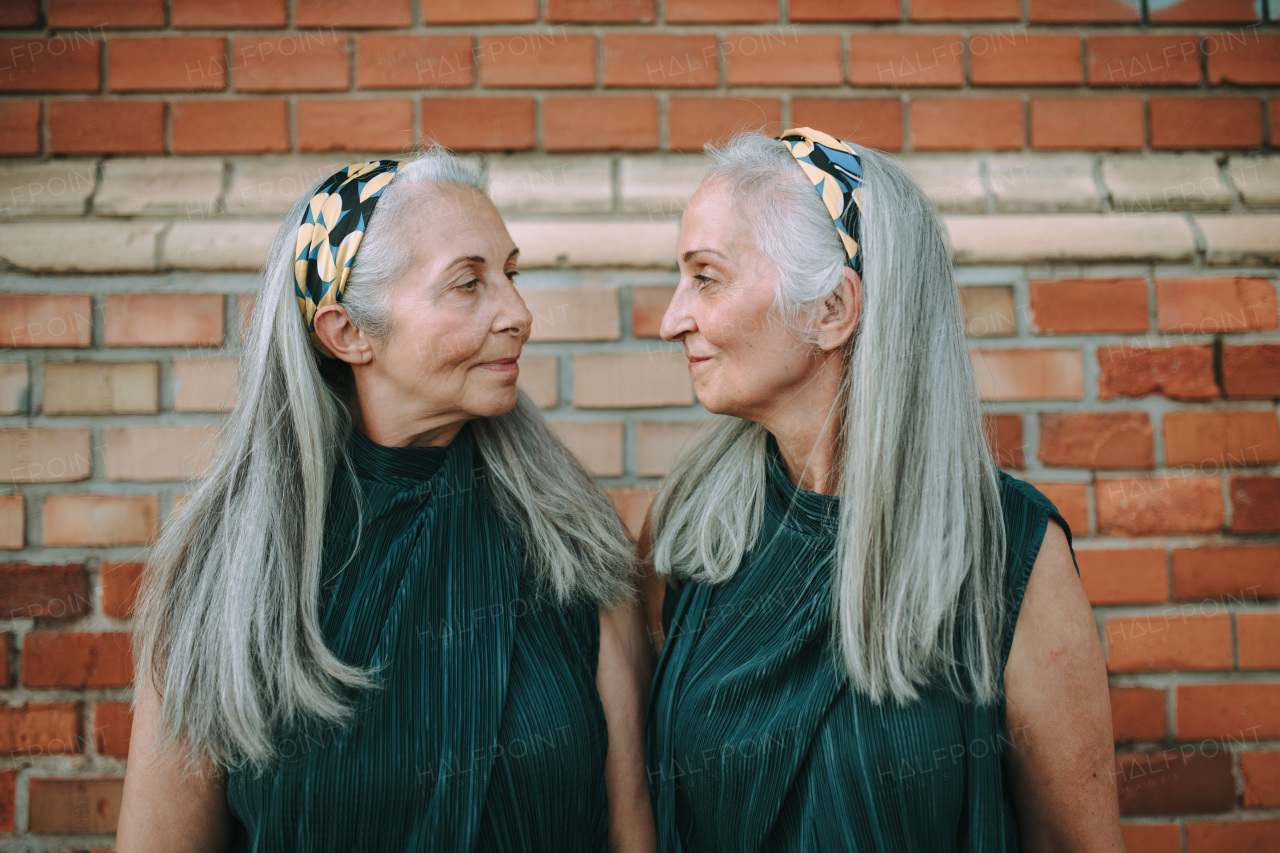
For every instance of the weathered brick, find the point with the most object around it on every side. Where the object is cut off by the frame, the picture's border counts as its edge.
(1237, 711)
(952, 124)
(1256, 178)
(580, 184)
(15, 388)
(205, 384)
(1137, 713)
(100, 520)
(120, 587)
(39, 728)
(45, 320)
(953, 182)
(1096, 440)
(592, 243)
(1261, 774)
(1142, 183)
(1064, 236)
(573, 314)
(1178, 372)
(167, 64)
(539, 378)
(56, 187)
(693, 122)
(64, 63)
(162, 319)
(394, 61)
(1043, 183)
(106, 127)
(630, 380)
(1255, 503)
(74, 805)
(988, 311)
(159, 187)
(590, 123)
(85, 387)
(12, 521)
(1146, 506)
(240, 126)
(37, 591)
(1217, 122)
(1115, 123)
(44, 455)
(313, 61)
(479, 124)
(778, 58)
(935, 59)
(597, 445)
(158, 453)
(345, 124)
(658, 444)
(81, 246)
(1028, 374)
(1244, 573)
(112, 728)
(346, 13)
(1242, 239)
(1251, 370)
(1212, 439)
(76, 659)
(1168, 641)
(1090, 305)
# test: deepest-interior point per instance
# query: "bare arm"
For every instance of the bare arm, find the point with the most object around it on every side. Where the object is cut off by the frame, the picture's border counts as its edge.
(652, 588)
(1062, 759)
(162, 808)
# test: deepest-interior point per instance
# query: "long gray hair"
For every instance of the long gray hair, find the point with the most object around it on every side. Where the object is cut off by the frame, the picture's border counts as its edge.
(228, 621)
(917, 592)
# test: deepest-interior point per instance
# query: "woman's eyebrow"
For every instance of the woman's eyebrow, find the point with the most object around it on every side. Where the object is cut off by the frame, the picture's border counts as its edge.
(478, 259)
(689, 254)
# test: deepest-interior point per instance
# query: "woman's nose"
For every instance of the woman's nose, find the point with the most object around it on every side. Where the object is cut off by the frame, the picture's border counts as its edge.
(677, 321)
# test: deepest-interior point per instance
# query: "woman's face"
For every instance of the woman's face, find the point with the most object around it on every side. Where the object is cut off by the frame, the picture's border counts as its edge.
(744, 361)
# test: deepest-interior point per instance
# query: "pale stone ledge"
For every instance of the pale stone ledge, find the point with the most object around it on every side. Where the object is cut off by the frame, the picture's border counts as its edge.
(953, 182)
(80, 246)
(1075, 237)
(58, 187)
(1145, 182)
(551, 184)
(1241, 239)
(1047, 183)
(1257, 179)
(595, 243)
(159, 186)
(660, 186)
(218, 245)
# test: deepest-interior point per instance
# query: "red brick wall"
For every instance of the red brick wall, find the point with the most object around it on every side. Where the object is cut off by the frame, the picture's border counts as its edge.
(1104, 168)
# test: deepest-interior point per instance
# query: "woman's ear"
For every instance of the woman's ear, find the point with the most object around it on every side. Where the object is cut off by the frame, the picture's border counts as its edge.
(840, 311)
(340, 335)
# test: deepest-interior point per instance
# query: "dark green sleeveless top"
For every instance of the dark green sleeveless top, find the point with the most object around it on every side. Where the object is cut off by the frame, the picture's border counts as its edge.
(754, 740)
(487, 733)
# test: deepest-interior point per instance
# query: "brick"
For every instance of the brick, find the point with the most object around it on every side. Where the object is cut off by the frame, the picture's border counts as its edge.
(1043, 183)
(44, 455)
(382, 124)
(228, 13)
(522, 60)
(158, 453)
(6, 649)
(67, 63)
(1085, 11)
(76, 659)
(1141, 183)
(8, 800)
(906, 60)
(1003, 59)
(1255, 504)
(106, 127)
(88, 520)
(1221, 438)
(1178, 372)
(1144, 60)
(20, 14)
(844, 10)
(74, 805)
(352, 13)
(720, 11)
(271, 184)
(1205, 11)
(1089, 305)
(659, 186)
(1072, 502)
(602, 11)
(38, 728)
(1146, 506)
(1244, 573)
(1137, 713)
(183, 64)
(1096, 440)
(80, 247)
(1242, 239)
(630, 380)
(1237, 836)
(155, 186)
(659, 443)
(112, 727)
(597, 445)
(1124, 575)
(241, 127)
(692, 122)
(951, 124)
(661, 61)
(162, 319)
(1152, 838)
(12, 523)
(1256, 178)
(120, 587)
(205, 384)
(595, 243)
(106, 13)
(15, 388)
(539, 378)
(45, 320)
(1168, 641)
(1087, 123)
(1228, 711)
(294, 62)
(57, 187)
(953, 182)
(1214, 305)
(648, 304)
(965, 10)
(520, 184)
(1258, 639)
(573, 313)
(1028, 374)
(1044, 237)
(38, 591)
(1007, 446)
(467, 11)
(1217, 122)
(632, 505)
(479, 124)
(777, 59)
(1251, 371)
(873, 122)
(391, 61)
(1261, 774)
(988, 311)
(1173, 782)
(588, 123)
(19, 129)
(218, 245)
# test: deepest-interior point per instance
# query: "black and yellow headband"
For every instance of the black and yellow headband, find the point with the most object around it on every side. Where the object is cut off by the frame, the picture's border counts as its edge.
(332, 228)
(836, 173)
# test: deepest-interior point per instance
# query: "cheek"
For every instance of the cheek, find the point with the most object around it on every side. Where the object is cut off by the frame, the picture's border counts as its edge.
(441, 341)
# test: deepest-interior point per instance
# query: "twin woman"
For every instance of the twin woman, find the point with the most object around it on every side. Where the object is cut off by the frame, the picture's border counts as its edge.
(397, 614)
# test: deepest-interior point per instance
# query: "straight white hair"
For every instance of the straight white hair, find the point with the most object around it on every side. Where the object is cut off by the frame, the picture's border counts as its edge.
(918, 587)
(228, 621)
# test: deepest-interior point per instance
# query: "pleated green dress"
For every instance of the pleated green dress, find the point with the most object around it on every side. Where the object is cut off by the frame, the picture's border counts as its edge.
(488, 733)
(754, 742)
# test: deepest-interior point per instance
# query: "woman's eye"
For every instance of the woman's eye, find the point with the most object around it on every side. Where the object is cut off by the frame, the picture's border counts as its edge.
(471, 284)
(512, 275)
(703, 281)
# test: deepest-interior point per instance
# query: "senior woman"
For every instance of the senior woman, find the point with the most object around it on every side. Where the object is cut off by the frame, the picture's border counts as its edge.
(397, 613)
(847, 564)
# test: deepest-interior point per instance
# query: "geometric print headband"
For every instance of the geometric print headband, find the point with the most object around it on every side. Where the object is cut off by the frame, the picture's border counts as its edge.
(836, 173)
(332, 228)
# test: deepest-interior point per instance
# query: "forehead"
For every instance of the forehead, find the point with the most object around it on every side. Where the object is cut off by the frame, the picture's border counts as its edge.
(710, 219)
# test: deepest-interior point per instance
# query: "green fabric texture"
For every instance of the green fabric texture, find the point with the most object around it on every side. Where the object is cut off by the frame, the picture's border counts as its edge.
(487, 732)
(754, 741)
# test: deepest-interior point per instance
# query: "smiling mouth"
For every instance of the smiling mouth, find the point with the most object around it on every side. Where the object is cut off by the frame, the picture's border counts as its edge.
(502, 365)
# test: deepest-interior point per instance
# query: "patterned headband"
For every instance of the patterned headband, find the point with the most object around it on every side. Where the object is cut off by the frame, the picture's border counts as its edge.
(836, 173)
(331, 230)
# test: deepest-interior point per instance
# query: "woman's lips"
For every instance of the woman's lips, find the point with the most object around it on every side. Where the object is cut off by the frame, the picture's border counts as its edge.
(502, 365)
(694, 361)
